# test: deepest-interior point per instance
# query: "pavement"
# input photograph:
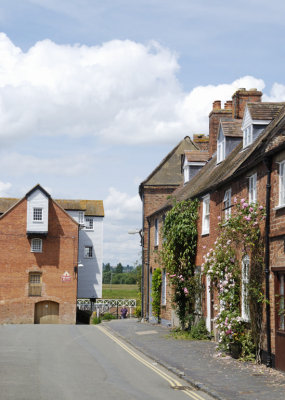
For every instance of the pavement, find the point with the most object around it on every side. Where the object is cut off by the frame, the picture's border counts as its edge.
(199, 363)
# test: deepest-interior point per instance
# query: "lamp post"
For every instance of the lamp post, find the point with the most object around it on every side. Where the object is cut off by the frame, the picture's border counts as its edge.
(141, 233)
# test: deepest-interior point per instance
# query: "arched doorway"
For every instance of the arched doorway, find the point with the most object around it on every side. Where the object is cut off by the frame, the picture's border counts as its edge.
(46, 312)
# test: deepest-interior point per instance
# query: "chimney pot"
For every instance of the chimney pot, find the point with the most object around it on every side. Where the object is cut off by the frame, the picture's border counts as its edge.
(228, 105)
(217, 105)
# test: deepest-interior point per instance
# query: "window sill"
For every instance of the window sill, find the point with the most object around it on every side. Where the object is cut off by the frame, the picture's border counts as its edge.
(205, 233)
(279, 207)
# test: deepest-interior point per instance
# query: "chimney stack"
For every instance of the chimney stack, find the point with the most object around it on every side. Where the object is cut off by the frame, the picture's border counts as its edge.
(241, 97)
(214, 120)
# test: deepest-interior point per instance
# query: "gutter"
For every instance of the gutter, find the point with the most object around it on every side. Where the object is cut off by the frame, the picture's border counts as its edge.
(268, 164)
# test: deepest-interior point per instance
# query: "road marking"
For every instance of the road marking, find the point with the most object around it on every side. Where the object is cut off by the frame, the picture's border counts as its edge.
(175, 384)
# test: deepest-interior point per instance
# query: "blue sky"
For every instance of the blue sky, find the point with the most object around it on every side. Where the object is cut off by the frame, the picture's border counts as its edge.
(93, 93)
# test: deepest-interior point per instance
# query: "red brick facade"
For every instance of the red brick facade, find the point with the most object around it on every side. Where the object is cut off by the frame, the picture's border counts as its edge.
(274, 150)
(58, 256)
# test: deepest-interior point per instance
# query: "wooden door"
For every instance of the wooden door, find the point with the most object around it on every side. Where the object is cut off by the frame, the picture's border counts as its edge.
(280, 321)
(46, 312)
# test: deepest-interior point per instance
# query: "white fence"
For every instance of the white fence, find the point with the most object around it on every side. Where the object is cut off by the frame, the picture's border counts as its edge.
(105, 305)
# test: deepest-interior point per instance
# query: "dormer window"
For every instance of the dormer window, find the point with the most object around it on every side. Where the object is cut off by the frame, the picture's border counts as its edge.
(186, 173)
(221, 148)
(247, 136)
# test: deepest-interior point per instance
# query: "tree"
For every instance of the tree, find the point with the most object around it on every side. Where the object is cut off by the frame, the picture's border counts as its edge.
(107, 267)
(119, 268)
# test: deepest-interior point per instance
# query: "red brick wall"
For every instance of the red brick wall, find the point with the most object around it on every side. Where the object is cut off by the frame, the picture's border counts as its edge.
(58, 256)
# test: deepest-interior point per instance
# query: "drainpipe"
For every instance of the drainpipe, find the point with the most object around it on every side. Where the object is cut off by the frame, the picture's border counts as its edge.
(268, 162)
(148, 258)
(143, 266)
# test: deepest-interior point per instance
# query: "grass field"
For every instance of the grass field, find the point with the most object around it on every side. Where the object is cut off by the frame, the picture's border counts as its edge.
(120, 291)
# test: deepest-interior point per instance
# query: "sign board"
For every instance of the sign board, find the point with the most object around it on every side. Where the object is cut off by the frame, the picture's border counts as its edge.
(66, 277)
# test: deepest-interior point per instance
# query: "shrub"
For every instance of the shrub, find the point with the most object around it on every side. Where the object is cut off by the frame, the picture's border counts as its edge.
(96, 320)
(108, 317)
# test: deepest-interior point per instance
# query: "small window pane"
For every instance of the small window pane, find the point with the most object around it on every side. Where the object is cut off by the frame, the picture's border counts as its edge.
(37, 214)
(88, 252)
(88, 223)
(36, 245)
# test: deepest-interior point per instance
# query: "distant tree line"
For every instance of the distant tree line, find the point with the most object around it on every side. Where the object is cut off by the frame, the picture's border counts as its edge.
(128, 275)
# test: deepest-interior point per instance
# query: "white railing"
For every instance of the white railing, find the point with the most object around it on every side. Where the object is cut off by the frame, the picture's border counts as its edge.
(104, 305)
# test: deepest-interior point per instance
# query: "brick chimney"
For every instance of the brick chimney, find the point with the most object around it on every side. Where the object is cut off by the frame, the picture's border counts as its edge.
(214, 119)
(241, 97)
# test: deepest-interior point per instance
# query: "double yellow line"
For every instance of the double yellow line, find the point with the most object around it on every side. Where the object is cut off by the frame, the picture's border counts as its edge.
(175, 384)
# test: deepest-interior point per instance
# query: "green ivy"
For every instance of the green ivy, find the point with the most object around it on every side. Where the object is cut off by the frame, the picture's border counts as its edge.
(156, 292)
(178, 257)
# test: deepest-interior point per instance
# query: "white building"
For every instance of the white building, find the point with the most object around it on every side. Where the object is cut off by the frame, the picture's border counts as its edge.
(89, 214)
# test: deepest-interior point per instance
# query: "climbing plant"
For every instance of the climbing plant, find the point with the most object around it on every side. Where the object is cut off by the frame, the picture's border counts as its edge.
(156, 292)
(239, 235)
(178, 257)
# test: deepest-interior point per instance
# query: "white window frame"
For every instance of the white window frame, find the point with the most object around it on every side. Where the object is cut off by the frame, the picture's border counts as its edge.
(206, 215)
(252, 188)
(37, 214)
(221, 150)
(36, 245)
(186, 173)
(88, 252)
(247, 136)
(227, 203)
(81, 217)
(89, 223)
(282, 183)
(156, 232)
(245, 314)
(163, 287)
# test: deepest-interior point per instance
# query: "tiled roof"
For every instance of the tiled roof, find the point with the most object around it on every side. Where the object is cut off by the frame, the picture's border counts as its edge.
(7, 203)
(232, 128)
(264, 111)
(212, 174)
(90, 207)
(196, 155)
(164, 173)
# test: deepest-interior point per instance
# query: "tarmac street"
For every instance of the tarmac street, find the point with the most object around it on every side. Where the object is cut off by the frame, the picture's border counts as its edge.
(71, 362)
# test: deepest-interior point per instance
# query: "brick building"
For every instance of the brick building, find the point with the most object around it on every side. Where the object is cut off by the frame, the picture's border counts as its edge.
(40, 254)
(155, 190)
(246, 160)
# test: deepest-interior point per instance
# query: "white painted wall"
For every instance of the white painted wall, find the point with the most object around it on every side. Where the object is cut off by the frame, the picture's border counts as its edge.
(37, 199)
(90, 275)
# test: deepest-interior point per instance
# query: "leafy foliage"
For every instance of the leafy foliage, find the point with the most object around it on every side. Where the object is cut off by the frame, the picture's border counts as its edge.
(156, 292)
(178, 257)
(239, 235)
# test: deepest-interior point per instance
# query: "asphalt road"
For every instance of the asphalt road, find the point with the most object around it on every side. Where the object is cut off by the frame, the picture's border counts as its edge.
(78, 362)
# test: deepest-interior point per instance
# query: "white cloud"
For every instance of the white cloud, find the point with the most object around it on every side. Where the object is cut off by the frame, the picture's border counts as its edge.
(20, 164)
(196, 106)
(121, 91)
(119, 206)
(4, 188)
(122, 213)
